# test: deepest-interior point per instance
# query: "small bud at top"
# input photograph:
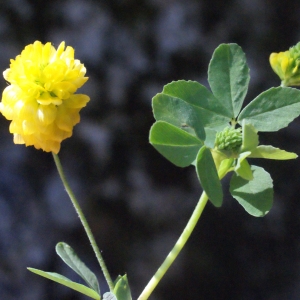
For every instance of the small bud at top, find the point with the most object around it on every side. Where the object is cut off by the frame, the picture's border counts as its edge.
(229, 139)
(286, 65)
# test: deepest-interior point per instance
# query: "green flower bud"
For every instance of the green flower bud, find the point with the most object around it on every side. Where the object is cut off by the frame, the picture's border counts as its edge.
(229, 139)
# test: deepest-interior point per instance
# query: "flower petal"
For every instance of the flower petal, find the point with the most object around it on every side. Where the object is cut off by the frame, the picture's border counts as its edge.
(46, 114)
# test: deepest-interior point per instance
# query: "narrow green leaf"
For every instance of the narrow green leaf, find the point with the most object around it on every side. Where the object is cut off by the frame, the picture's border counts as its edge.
(211, 110)
(271, 152)
(68, 255)
(243, 168)
(67, 282)
(273, 109)
(250, 137)
(208, 176)
(179, 113)
(109, 296)
(256, 196)
(122, 290)
(175, 144)
(228, 76)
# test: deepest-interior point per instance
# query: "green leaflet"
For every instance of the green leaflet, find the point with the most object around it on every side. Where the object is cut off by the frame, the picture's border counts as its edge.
(68, 255)
(256, 196)
(270, 152)
(67, 282)
(273, 109)
(175, 144)
(178, 113)
(211, 111)
(228, 76)
(208, 176)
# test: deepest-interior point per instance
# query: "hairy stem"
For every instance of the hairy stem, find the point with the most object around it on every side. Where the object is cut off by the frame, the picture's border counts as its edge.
(84, 222)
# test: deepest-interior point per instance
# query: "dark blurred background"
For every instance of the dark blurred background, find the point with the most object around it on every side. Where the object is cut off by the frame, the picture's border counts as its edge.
(137, 202)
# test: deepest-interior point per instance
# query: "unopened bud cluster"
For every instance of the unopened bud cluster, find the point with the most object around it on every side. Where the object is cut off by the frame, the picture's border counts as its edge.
(229, 139)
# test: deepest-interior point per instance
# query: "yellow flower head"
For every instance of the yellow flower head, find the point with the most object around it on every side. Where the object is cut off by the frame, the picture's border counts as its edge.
(40, 100)
(286, 65)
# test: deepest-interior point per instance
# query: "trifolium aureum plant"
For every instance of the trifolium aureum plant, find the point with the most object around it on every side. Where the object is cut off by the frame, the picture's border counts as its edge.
(194, 126)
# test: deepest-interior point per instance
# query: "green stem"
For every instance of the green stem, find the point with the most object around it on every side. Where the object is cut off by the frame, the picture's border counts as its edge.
(83, 221)
(176, 249)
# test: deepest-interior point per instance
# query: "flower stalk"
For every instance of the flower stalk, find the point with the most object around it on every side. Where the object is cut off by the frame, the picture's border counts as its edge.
(84, 222)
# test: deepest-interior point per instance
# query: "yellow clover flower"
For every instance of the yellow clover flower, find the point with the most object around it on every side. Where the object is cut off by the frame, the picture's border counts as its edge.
(40, 100)
(286, 65)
